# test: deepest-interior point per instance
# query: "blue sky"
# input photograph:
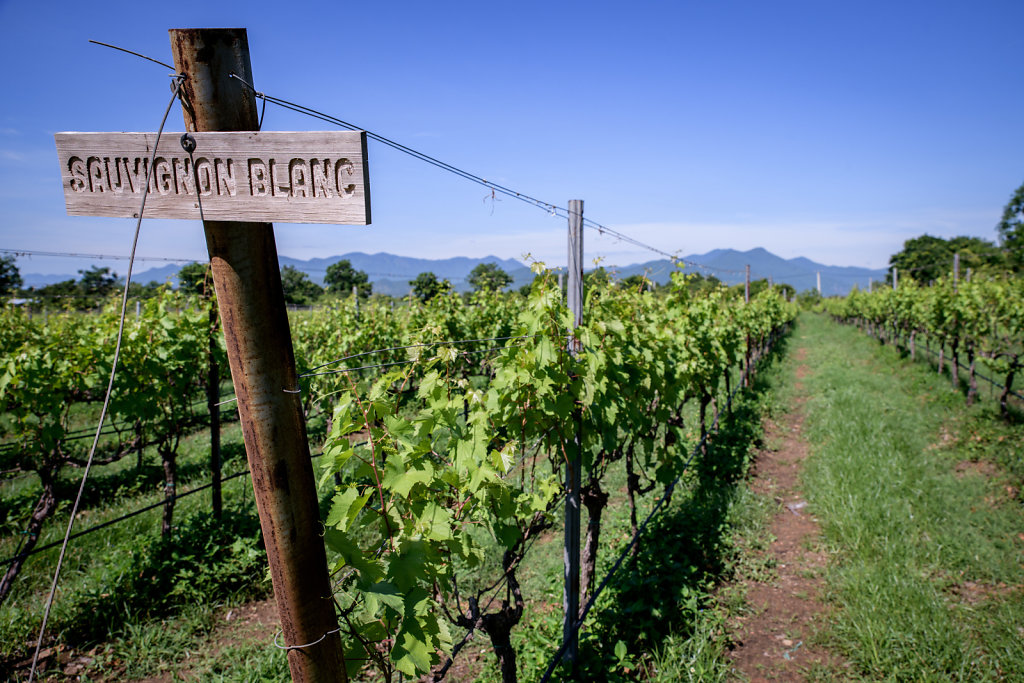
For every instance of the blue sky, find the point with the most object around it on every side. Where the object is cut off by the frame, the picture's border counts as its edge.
(829, 130)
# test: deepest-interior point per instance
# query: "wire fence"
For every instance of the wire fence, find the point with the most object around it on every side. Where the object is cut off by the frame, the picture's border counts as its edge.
(495, 188)
(625, 552)
(204, 487)
(961, 365)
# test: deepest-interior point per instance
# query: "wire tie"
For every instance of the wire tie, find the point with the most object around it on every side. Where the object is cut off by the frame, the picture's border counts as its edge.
(299, 647)
(188, 143)
(292, 391)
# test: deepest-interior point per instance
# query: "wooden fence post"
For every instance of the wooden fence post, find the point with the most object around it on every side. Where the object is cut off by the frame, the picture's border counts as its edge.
(213, 406)
(247, 279)
(573, 466)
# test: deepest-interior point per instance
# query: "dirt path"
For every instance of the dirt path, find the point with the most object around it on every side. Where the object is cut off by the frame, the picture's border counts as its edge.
(776, 640)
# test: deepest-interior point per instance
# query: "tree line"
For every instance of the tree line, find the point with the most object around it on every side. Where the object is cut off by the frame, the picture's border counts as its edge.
(926, 259)
(96, 284)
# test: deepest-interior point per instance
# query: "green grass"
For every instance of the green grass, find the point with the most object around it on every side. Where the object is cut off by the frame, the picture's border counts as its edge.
(911, 534)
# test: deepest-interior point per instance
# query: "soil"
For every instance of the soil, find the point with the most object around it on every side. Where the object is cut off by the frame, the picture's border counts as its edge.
(775, 640)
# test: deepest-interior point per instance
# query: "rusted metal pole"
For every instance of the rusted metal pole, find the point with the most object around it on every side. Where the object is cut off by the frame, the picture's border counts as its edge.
(247, 279)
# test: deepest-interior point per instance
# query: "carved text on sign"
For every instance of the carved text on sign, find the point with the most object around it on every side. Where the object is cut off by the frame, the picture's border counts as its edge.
(286, 177)
(318, 178)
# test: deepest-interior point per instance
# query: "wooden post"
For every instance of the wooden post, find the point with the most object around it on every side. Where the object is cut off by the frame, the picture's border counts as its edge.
(247, 279)
(746, 287)
(213, 406)
(819, 283)
(895, 278)
(573, 475)
(956, 271)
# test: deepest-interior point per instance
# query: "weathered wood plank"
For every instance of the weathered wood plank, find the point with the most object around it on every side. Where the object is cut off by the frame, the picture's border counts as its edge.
(291, 177)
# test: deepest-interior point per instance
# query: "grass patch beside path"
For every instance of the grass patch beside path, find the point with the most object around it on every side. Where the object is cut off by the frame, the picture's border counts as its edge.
(925, 528)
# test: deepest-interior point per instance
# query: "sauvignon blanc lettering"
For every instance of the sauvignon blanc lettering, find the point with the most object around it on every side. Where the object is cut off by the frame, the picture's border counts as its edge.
(306, 178)
(316, 177)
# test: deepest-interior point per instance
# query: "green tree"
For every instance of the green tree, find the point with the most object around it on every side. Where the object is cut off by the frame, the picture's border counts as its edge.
(786, 290)
(97, 282)
(698, 282)
(808, 299)
(489, 276)
(10, 277)
(1011, 230)
(59, 295)
(196, 278)
(928, 258)
(426, 286)
(756, 287)
(639, 283)
(341, 277)
(299, 290)
(137, 290)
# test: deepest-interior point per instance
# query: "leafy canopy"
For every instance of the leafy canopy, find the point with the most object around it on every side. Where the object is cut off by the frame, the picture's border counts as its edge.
(1011, 230)
(195, 278)
(10, 277)
(926, 258)
(426, 286)
(299, 290)
(489, 276)
(341, 277)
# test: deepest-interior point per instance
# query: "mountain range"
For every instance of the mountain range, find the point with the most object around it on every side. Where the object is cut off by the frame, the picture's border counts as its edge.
(390, 274)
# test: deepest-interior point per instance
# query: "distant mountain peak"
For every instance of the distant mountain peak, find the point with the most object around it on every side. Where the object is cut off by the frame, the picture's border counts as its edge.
(391, 274)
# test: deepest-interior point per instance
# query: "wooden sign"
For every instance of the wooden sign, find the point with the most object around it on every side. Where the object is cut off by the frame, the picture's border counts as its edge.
(307, 177)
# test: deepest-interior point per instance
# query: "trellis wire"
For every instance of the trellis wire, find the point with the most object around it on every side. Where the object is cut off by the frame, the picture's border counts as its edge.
(414, 346)
(404, 362)
(139, 511)
(669, 489)
(178, 80)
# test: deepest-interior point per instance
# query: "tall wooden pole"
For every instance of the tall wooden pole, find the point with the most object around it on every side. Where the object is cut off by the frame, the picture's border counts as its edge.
(247, 279)
(573, 466)
(746, 287)
(819, 283)
(895, 278)
(213, 406)
(956, 270)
